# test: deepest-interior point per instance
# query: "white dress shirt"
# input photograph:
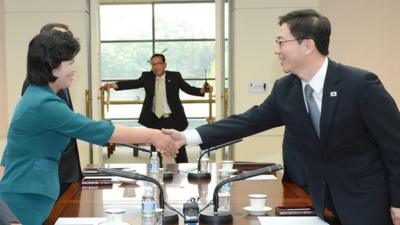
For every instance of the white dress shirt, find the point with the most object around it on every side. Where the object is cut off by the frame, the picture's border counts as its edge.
(167, 109)
(317, 84)
(193, 137)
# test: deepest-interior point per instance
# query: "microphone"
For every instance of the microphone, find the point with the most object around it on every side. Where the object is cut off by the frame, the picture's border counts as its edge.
(205, 85)
(170, 218)
(205, 175)
(216, 217)
(166, 175)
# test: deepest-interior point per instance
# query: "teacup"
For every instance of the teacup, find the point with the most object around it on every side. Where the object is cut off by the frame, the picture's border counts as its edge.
(114, 216)
(257, 201)
(227, 165)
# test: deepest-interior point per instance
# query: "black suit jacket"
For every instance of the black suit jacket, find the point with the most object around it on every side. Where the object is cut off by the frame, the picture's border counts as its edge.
(70, 166)
(294, 168)
(173, 83)
(358, 155)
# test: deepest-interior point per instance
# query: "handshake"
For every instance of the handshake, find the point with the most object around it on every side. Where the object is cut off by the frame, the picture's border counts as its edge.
(168, 142)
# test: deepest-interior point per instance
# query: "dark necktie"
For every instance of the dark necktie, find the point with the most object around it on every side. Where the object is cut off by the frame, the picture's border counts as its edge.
(313, 110)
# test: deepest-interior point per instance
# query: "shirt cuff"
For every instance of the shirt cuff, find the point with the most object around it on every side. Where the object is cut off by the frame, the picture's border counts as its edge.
(192, 137)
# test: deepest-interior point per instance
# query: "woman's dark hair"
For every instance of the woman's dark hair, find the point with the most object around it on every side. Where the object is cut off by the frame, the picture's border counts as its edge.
(309, 24)
(51, 26)
(46, 52)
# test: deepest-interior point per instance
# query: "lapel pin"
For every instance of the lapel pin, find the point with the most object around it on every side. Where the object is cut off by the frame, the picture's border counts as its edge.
(333, 93)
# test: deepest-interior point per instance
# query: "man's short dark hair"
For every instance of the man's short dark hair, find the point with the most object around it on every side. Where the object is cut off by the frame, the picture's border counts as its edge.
(46, 52)
(309, 24)
(158, 55)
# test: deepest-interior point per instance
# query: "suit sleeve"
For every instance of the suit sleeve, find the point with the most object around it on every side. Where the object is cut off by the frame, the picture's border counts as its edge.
(6, 216)
(60, 118)
(382, 118)
(256, 119)
(187, 88)
(131, 84)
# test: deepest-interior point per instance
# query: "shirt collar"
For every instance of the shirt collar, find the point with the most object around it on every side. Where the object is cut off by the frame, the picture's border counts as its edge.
(162, 77)
(318, 80)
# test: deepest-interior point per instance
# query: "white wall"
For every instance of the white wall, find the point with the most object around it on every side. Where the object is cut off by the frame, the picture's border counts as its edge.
(254, 29)
(23, 20)
(366, 34)
(3, 79)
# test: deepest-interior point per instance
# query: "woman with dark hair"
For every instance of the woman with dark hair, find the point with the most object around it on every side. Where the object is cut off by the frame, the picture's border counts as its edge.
(43, 124)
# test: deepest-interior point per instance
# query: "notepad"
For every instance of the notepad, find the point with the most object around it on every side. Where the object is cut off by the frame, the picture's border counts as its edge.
(298, 220)
(80, 220)
(263, 177)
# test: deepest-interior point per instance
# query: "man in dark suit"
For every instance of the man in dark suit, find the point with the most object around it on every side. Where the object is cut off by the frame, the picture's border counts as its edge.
(162, 107)
(344, 122)
(70, 166)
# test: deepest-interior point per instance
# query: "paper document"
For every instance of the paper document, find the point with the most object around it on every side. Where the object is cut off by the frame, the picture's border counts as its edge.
(291, 220)
(263, 177)
(80, 220)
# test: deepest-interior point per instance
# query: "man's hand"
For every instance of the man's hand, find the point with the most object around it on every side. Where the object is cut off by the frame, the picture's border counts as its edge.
(164, 144)
(208, 89)
(178, 137)
(395, 215)
(108, 86)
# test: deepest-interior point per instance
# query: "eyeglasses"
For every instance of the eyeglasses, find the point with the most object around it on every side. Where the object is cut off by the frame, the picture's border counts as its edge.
(156, 63)
(279, 42)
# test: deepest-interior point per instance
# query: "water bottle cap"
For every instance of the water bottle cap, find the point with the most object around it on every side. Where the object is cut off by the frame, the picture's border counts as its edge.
(154, 153)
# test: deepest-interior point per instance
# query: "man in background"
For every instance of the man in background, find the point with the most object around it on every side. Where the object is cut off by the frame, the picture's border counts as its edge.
(162, 107)
(6, 216)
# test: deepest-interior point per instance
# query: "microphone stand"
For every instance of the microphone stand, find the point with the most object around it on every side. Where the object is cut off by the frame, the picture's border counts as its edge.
(216, 217)
(205, 85)
(170, 218)
(206, 175)
(166, 175)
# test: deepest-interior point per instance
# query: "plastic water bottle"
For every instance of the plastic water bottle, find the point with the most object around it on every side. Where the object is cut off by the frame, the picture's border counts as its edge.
(148, 202)
(148, 219)
(227, 187)
(154, 166)
(204, 163)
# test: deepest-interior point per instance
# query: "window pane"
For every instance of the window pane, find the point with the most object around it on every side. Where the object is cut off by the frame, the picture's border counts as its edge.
(124, 60)
(123, 111)
(189, 58)
(178, 21)
(125, 22)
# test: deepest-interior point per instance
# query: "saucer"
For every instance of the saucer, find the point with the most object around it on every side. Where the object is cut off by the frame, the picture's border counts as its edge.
(258, 212)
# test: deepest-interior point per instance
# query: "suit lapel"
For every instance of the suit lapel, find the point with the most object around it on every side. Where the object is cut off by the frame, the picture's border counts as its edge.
(301, 111)
(168, 79)
(329, 100)
(152, 83)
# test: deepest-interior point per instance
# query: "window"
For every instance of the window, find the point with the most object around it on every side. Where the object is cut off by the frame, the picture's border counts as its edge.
(131, 33)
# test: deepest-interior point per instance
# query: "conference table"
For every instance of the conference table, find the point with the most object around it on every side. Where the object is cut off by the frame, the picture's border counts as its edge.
(91, 201)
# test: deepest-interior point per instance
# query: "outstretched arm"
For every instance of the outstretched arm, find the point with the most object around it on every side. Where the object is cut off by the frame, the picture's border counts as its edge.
(141, 135)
